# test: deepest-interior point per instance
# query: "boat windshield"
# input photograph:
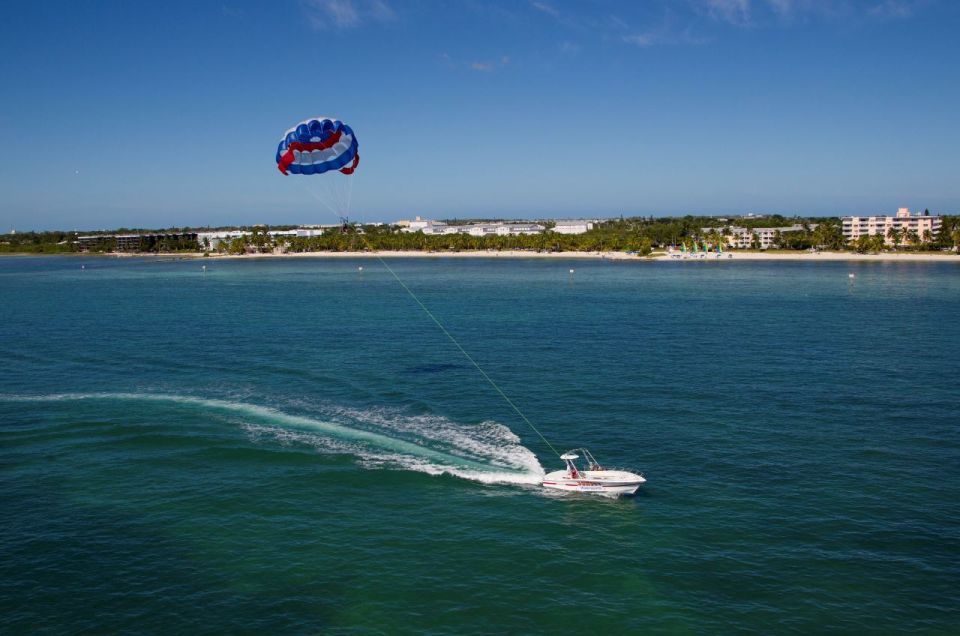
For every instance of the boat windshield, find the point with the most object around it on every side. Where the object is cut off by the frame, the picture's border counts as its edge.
(586, 459)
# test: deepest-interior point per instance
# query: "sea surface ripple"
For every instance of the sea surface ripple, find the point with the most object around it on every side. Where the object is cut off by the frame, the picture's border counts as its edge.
(291, 446)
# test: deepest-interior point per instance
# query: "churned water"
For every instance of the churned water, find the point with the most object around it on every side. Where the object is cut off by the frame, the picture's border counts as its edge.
(292, 446)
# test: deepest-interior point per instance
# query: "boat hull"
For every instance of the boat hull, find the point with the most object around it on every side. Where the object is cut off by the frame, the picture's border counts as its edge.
(598, 482)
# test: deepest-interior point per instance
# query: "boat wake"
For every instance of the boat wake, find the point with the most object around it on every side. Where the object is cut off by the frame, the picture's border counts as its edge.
(378, 439)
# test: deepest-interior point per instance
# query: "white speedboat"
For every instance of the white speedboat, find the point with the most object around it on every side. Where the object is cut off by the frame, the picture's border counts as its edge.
(594, 478)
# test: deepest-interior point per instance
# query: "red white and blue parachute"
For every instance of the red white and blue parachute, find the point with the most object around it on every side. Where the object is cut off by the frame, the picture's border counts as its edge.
(316, 146)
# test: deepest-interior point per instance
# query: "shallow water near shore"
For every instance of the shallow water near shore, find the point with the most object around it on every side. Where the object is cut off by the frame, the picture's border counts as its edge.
(291, 445)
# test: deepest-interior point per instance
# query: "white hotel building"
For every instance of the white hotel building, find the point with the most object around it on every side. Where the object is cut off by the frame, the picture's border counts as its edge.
(856, 226)
(427, 226)
(430, 227)
(573, 227)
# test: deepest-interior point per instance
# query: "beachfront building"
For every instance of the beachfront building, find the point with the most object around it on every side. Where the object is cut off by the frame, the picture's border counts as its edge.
(427, 226)
(501, 229)
(572, 227)
(474, 229)
(416, 225)
(436, 228)
(212, 240)
(312, 231)
(743, 237)
(515, 229)
(921, 226)
(134, 242)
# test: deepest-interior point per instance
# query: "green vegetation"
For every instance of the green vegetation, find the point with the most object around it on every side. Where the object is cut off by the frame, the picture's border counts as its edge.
(37, 243)
(637, 234)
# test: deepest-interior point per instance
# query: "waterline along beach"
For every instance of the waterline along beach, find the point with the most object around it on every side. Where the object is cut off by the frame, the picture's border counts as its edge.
(621, 256)
(376, 317)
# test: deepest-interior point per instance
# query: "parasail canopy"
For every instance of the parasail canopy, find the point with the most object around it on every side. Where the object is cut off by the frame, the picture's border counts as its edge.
(316, 146)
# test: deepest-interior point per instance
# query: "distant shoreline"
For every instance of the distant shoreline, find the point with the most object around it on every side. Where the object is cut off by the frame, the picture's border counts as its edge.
(725, 257)
(617, 256)
(820, 256)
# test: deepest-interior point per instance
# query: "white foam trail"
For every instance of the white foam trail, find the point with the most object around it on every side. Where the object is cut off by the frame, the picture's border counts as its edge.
(492, 442)
(488, 453)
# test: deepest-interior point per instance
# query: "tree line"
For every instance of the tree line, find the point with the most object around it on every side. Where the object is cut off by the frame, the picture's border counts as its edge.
(642, 235)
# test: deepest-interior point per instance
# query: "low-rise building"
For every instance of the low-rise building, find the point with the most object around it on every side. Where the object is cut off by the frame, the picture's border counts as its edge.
(435, 228)
(922, 226)
(524, 228)
(743, 237)
(135, 242)
(501, 229)
(212, 240)
(572, 227)
(427, 226)
(417, 224)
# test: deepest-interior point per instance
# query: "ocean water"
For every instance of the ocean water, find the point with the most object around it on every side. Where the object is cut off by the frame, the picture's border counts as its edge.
(292, 446)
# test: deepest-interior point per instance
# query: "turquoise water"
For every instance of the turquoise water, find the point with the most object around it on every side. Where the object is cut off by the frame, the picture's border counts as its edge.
(291, 446)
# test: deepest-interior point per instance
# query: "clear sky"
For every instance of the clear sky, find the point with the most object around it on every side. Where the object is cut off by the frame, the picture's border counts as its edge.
(155, 114)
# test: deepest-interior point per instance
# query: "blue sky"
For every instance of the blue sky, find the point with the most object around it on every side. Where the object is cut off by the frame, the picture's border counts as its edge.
(155, 114)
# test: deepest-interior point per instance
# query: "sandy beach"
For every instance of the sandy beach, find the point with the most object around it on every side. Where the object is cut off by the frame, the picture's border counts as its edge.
(820, 256)
(726, 257)
(621, 256)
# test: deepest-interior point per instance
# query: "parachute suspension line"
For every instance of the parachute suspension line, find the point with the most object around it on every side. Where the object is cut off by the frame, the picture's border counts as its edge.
(350, 191)
(332, 193)
(340, 190)
(466, 355)
(324, 134)
(321, 199)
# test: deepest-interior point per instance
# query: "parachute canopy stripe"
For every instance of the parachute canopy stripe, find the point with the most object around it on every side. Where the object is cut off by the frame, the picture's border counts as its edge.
(353, 166)
(316, 146)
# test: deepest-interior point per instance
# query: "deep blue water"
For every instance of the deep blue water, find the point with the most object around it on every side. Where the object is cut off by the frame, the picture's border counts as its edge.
(292, 446)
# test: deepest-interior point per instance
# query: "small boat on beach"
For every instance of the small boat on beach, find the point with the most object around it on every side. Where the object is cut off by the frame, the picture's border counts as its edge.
(594, 478)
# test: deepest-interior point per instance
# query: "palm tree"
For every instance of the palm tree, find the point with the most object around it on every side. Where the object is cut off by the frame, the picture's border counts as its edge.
(893, 234)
